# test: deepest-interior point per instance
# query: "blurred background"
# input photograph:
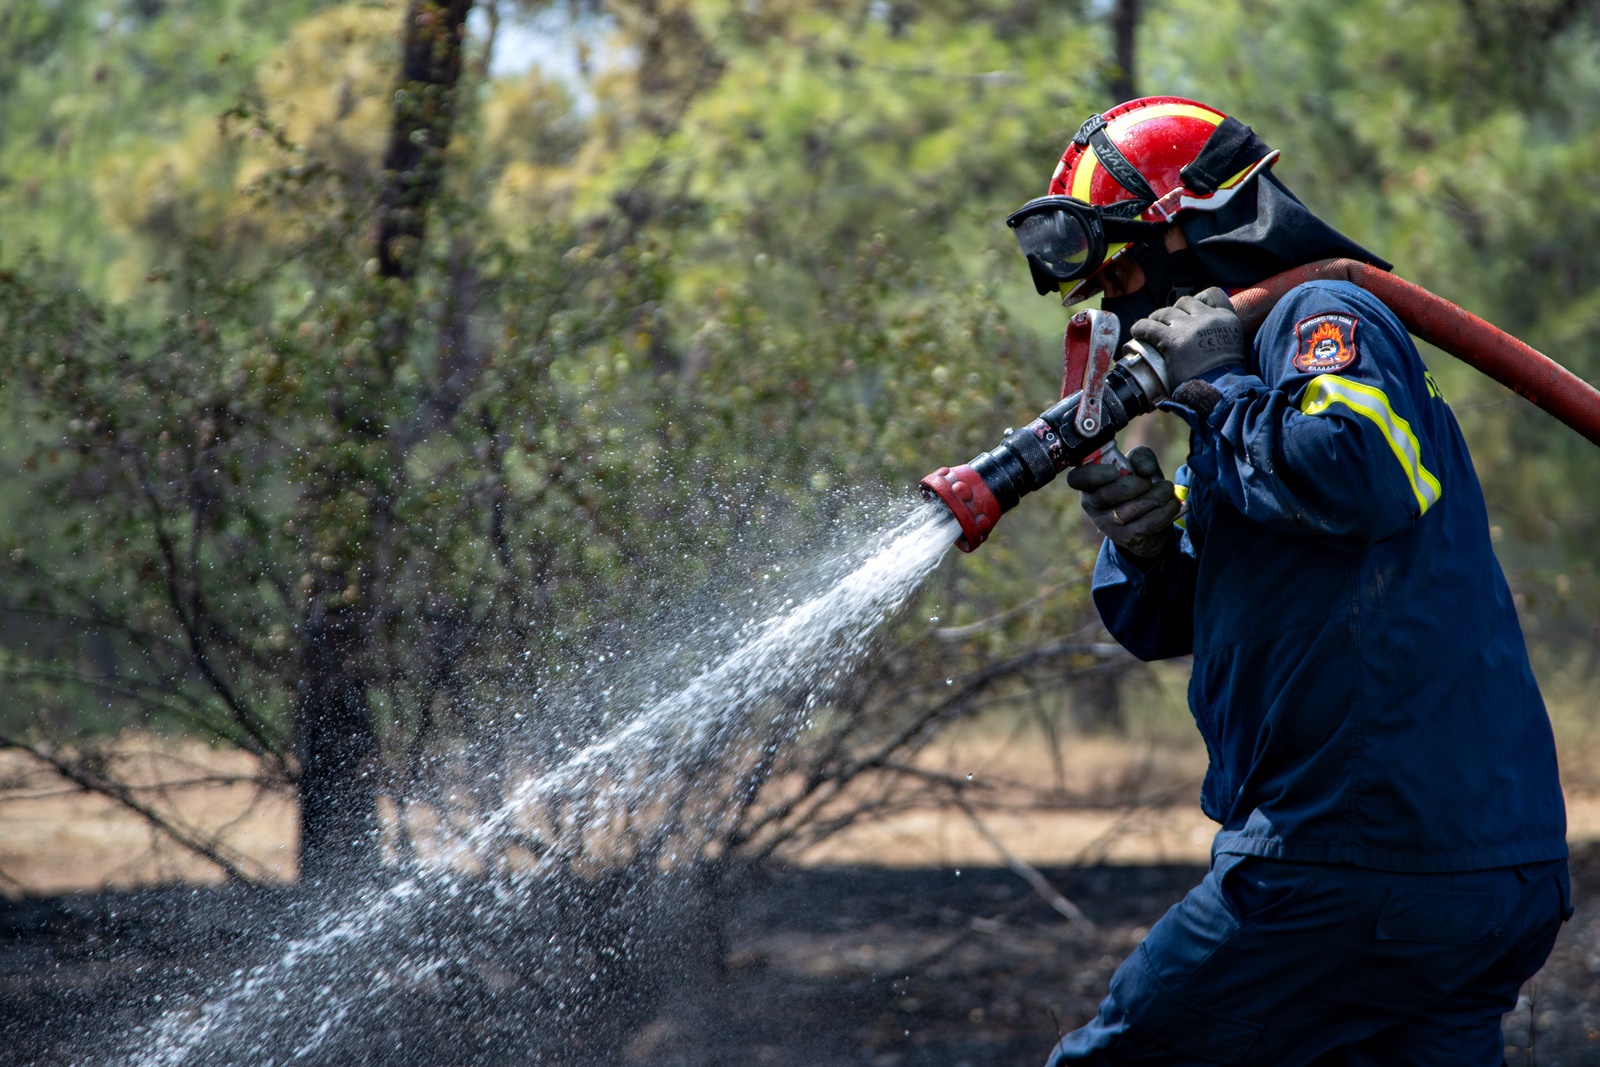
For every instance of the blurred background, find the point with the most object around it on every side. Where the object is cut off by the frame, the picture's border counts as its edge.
(319, 386)
(373, 369)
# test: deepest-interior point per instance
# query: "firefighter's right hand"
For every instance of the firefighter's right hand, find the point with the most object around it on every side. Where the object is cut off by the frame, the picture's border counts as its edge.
(1135, 511)
(1195, 336)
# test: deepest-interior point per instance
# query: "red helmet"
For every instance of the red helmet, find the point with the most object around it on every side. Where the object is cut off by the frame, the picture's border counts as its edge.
(1142, 162)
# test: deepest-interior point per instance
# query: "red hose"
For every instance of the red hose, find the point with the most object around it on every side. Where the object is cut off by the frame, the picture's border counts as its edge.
(1456, 330)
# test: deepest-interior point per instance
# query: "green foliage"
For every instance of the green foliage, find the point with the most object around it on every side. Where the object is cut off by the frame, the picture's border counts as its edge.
(843, 301)
(94, 84)
(631, 345)
(758, 278)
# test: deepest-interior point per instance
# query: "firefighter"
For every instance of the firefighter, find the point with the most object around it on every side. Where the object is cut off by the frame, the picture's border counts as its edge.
(1391, 864)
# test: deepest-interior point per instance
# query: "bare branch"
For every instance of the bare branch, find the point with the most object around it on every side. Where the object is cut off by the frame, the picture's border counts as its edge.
(135, 691)
(822, 787)
(84, 777)
(175, 598)
(1028, 873)
(958, 633)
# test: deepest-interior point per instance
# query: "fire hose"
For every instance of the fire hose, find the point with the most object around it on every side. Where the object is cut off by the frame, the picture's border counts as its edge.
(1101, 393)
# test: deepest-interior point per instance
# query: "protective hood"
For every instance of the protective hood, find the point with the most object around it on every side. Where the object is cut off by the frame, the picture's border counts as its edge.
(1254, 237)
(1258, 233)
(1238, 234)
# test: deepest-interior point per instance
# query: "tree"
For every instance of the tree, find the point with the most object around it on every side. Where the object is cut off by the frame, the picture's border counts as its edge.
(357, 483)
(336, 741)
(332, 472)
(1125, 37)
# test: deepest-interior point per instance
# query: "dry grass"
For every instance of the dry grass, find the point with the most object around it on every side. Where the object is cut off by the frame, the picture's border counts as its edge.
(56, 838)
(1055, 801)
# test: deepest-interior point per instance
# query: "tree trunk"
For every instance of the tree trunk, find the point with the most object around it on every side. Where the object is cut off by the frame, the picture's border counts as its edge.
(1125, 32)
(1097, 698)
(338, 751)
(424, 107)
(336, 739)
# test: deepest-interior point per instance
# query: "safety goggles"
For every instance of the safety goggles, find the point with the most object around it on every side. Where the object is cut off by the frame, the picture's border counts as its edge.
(1065, 239)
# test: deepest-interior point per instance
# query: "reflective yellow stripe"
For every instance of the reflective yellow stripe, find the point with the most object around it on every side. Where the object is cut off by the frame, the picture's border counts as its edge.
(1327, 390)
(1182, 493)
(1120, 125)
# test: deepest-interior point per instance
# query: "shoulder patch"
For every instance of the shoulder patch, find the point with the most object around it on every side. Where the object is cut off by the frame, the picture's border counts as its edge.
(1325, 343)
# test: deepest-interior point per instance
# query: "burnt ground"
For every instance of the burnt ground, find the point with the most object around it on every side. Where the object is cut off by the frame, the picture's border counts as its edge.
(917, 968)
(849, 966)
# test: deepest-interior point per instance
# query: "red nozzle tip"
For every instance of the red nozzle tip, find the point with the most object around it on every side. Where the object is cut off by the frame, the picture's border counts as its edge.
(962, 490)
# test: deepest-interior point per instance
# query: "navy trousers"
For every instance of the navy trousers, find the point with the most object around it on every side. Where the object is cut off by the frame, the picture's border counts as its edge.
(1282, 964)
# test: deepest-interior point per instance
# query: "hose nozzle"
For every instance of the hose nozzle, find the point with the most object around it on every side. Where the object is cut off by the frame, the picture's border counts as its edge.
(979, 492)
(970, 500)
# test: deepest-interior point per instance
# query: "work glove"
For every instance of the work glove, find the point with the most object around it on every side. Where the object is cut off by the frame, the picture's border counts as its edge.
(1134, 510)
(1195, 335)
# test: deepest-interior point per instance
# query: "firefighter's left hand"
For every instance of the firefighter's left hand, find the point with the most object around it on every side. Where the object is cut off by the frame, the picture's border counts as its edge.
(1134, 510)
(1195, 335)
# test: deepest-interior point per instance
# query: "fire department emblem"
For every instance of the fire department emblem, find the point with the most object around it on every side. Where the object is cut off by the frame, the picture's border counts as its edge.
(1327, 343)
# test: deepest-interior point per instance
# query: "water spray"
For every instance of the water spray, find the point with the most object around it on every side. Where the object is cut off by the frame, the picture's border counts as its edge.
(1102, 390)
(663, 759)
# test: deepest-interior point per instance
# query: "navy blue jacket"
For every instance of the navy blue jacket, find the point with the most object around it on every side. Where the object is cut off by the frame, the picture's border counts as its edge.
(1360, 676)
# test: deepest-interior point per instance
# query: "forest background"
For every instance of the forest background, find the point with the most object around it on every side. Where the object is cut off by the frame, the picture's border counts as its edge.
(332, 407)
